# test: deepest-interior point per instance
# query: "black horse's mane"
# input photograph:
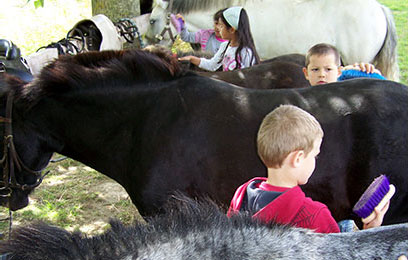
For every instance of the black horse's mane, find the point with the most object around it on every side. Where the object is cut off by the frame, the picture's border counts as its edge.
(187, 6)
(98, 69)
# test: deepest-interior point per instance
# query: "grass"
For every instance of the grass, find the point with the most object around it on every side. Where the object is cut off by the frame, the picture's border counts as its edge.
(400, 12)
(75, 196)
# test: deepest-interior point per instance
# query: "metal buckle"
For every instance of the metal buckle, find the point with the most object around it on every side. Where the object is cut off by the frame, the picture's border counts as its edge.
(2, 67)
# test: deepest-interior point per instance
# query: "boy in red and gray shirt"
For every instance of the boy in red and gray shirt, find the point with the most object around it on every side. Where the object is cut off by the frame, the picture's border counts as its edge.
(288, 142)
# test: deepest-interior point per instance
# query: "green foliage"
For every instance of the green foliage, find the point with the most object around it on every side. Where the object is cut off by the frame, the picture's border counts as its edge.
(400, 12)
(39, 3)
(31, 28)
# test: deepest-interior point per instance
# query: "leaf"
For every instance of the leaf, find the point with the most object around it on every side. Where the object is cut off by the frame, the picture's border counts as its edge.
(39, 3)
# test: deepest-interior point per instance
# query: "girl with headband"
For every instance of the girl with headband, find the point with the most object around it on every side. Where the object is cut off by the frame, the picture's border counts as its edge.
(238, 51)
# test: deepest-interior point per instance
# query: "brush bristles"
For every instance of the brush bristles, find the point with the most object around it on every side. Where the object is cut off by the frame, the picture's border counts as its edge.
(372, 196)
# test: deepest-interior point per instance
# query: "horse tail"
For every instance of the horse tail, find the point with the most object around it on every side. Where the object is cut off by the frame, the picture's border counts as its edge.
(386, 59)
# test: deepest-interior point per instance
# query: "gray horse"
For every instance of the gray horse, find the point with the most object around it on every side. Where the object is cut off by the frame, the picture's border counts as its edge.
(200, 230)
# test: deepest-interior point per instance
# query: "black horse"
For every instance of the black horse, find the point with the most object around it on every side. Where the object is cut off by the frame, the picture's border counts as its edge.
(274, 74)
(201, 231)
(284, 71)
(156, 129)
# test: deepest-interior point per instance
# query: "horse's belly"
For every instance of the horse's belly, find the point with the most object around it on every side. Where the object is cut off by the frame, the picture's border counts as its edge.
(356, 28)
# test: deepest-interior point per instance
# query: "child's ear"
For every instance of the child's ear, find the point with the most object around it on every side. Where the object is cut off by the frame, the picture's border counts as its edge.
(232, 30)
(295, 158)
(300, 155)
(339, 70)
(305, 72)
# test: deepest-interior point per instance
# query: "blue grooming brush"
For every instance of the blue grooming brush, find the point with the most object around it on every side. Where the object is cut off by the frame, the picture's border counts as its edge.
(352, 74)
(378, 193)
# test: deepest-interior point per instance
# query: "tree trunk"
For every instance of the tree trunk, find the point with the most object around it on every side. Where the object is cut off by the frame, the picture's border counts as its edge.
(116, 10)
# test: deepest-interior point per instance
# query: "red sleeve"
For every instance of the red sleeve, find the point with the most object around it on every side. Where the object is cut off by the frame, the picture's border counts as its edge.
(324, 222)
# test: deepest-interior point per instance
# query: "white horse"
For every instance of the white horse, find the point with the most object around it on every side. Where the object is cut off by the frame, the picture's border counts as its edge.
(362, 30)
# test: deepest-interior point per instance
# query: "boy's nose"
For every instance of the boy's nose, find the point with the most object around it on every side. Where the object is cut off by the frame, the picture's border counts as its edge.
(321, 73)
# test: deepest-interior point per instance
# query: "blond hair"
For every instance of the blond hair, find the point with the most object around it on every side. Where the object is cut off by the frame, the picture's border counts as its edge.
(323, 49)
(284, 130)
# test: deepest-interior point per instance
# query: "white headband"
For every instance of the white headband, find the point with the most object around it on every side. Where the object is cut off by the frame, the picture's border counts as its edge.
(232, 16)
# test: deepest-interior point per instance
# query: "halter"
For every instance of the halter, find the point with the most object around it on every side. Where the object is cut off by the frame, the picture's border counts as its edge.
(166, 28)
(11, 160)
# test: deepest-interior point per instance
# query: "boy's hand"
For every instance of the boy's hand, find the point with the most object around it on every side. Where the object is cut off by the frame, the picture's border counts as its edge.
(365, 67)
(379, 216)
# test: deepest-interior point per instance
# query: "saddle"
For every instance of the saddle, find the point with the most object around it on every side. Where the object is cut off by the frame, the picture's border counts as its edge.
(12, 62)
(8, 50)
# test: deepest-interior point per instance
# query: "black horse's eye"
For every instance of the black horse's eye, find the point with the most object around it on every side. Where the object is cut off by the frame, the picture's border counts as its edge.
(152, 21)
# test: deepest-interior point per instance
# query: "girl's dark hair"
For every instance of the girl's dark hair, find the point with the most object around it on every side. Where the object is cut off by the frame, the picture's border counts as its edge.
(244, 38)
(218, 14)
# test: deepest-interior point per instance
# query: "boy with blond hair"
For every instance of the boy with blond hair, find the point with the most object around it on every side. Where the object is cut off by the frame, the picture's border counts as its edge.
(323, 65)
(288, 141)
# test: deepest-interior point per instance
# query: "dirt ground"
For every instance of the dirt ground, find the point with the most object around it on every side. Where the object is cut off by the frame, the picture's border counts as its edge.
(75, 197)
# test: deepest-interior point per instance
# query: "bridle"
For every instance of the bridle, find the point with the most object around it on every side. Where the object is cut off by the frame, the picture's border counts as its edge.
(166, 28)
(11, 160)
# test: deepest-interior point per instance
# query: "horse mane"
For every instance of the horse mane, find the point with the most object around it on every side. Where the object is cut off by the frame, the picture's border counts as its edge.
(98, 69)
(199, 229)
(187, 6)
(182, 217)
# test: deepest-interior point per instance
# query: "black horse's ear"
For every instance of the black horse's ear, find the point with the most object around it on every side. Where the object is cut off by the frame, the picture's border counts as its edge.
(9, 50)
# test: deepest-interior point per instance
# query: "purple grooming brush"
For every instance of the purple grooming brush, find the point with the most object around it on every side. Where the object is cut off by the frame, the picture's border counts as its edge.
(177, 22)
(373, 195)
